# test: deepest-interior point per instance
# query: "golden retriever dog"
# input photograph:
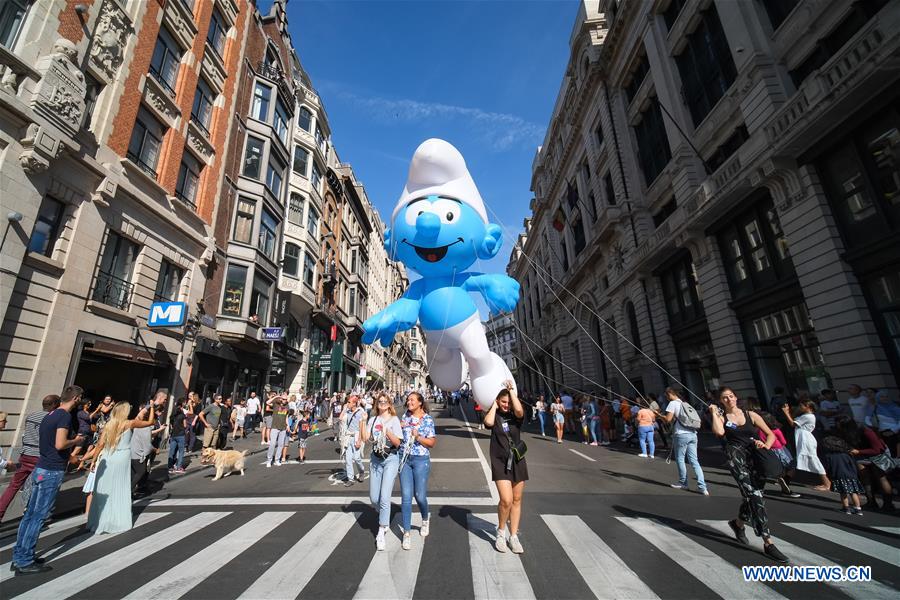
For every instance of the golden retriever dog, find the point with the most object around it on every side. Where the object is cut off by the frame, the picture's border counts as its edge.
(230, 460)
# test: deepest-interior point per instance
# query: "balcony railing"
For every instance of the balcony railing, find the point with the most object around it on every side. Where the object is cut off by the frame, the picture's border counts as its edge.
(140, 163)
(112, 290)
(180, 195)
(196, 121)
(162, 81)
(272, 72)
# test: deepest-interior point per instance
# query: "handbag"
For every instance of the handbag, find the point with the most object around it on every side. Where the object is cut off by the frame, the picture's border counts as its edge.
(89, 483)
(884, 461)
(767, 464)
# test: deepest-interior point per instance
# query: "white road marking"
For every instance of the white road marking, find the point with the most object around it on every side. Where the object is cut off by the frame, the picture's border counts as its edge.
(484, 465)
(602, 570)
(322, 461)
(494, 574)
(88, 539)
(394, 571)
(582, 455)
(54, 526)
(73, 582)
(869, 590)
(287, 577)
(717, 574)
(857, 543)
(313, 501)
(891, 530)
(175, 583)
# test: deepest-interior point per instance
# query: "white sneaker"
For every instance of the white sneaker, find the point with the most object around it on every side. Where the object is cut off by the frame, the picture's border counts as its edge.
(264, 443)
(423, 531)
(379, 539)
(642, 455)
(407, 541)
(500, 543)
(515, 545)
(278, 463)
(268, 465)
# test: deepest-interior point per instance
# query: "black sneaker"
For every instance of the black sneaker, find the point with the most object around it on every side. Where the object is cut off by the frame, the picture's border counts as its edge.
(32, 569)
(774, 553)
(739, 534)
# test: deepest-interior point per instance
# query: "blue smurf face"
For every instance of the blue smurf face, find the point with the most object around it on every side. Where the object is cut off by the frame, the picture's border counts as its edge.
(437, 236)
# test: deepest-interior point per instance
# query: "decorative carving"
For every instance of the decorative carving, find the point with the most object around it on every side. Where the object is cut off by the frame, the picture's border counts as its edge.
(59, 96)
(161, 103)
(110, 38)
(40, 147)
(200, 144)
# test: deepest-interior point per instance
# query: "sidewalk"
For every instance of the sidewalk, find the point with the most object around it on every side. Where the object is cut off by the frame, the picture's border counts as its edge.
(70, 500)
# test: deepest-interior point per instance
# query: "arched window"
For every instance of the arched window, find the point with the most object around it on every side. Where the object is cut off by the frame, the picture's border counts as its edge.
(304, 119)
(633, 324)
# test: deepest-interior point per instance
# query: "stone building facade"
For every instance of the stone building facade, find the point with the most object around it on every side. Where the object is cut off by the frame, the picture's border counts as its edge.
(716, 201)
(502, 337)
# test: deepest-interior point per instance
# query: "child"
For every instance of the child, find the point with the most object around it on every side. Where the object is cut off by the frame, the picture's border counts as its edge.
(841, 467)
(781, 451)
(804, 423)
(302, 429)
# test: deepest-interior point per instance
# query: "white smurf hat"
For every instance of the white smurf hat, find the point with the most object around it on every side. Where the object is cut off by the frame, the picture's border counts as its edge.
(438, 169)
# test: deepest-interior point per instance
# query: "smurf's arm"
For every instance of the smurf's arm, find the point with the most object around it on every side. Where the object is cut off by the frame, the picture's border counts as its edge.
(500, 292)
(400, 315)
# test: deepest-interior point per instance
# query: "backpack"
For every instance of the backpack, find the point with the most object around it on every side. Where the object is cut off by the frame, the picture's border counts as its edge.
(688, 416)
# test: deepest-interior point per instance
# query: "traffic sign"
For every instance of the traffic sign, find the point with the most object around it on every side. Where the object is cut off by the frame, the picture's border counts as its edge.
(272, 333)
(167, 314)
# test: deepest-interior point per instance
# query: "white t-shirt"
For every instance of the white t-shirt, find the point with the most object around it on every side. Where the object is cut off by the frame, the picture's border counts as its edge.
(252, 405)
(240, 413)
(859, 406)
(674, 407)
(829, 405)
(380, 424)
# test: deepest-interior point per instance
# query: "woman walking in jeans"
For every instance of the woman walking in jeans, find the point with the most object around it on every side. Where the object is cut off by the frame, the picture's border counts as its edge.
(386, 435)
(684, 445)
(418, 440)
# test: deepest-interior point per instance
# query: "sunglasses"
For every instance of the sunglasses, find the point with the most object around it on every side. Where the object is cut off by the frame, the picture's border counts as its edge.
(383, 402)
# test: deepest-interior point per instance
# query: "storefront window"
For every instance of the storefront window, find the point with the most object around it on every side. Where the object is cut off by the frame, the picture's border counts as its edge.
(885, 292)
(235, 281)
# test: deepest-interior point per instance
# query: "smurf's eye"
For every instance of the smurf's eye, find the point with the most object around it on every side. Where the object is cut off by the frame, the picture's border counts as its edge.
(414, 210)
(449, 210)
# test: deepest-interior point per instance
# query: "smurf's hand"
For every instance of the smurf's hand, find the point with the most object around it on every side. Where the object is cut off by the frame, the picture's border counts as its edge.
(399, 316)
(501, 293)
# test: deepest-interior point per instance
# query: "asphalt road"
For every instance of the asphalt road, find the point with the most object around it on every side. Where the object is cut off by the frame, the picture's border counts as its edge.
(598, 522)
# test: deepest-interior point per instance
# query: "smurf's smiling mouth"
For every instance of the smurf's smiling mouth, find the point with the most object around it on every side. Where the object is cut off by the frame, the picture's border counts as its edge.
(432, 254)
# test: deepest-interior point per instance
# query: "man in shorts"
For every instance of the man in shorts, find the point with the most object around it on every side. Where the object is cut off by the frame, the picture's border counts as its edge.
(301, 430)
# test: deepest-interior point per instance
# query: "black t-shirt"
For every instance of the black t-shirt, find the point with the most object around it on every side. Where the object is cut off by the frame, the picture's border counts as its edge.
(499, 441)
(177, 423)
(51, 458)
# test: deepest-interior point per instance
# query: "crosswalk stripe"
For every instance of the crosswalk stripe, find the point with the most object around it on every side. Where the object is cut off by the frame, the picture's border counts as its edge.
(88, 539)
(311, 500)
(891, 530)
(717, 574)
(287, 577)
(494, 574)
(393, 572)
(175, 583)
(602, 570)
(858, 543)
(80, 579)
(51, 528)
(582, 455)
(869, 590)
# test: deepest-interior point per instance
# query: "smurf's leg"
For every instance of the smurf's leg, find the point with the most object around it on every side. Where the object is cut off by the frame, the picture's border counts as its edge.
(445, 365)
(488, 370)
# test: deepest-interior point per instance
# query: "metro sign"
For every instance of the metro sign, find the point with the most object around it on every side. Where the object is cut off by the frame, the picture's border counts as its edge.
(167, 314)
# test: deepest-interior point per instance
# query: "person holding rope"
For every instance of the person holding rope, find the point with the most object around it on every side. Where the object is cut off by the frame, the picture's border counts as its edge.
(418, 440)
(385, 433)
(509, 470)
(684, 446)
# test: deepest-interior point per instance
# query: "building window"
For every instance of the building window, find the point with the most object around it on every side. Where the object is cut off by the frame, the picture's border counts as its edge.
(169, 282)
(778, 11)
(274, 176)
(165, 61)
(351, 305)
(304, 119)
(565, 254)
(46, 227)
(679, 285)
(301, 160)
(884, 290)
(253, 157)
(12, 15)
(259, 300)
(281, 121)
(316, 177)
(188, 179)
(201, 111)
(295, 210)
(215, 36)
(670, 15)
(243, 222)
(637, 77)
(113, 283)
(599, 134)
(728, 147)
(268, 234)
(93, 89)
(235, 283)
(706, 67)
(578, 235)
(291, 263)
(262, 97)
(320, 139)
(665, 212)
(312, 222)
(146, 141)
(309, 270)
(653, 144)
(608, 188)
(633, 324)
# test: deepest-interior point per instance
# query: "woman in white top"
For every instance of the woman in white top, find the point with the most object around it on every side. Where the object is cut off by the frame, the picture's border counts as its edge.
(540, 408)
(558, 410)
(803, 424)
(386, 435)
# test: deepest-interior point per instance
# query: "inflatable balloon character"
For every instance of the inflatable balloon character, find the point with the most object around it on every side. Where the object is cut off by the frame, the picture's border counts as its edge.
(439, 228)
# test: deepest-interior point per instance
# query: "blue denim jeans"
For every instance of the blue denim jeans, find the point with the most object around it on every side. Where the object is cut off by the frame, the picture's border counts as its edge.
(542, 417)
(414, 481)
(45, 485)
(381, 484)
(685, 446)
(176, 451)
(645, 437)
(594, 424)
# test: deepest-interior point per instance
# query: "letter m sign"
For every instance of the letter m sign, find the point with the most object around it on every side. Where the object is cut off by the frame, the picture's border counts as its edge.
(167, 314)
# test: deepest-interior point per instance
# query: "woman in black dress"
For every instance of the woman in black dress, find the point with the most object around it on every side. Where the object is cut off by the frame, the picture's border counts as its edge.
(504, 419)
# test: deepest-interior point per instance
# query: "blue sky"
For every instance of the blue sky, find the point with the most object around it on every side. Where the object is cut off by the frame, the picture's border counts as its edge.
(482, 75)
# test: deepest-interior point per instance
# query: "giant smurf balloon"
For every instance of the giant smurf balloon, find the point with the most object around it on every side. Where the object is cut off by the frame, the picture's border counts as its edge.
(439, 228)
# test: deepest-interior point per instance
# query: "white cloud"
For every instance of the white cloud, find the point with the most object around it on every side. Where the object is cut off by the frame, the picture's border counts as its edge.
(500, 131)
